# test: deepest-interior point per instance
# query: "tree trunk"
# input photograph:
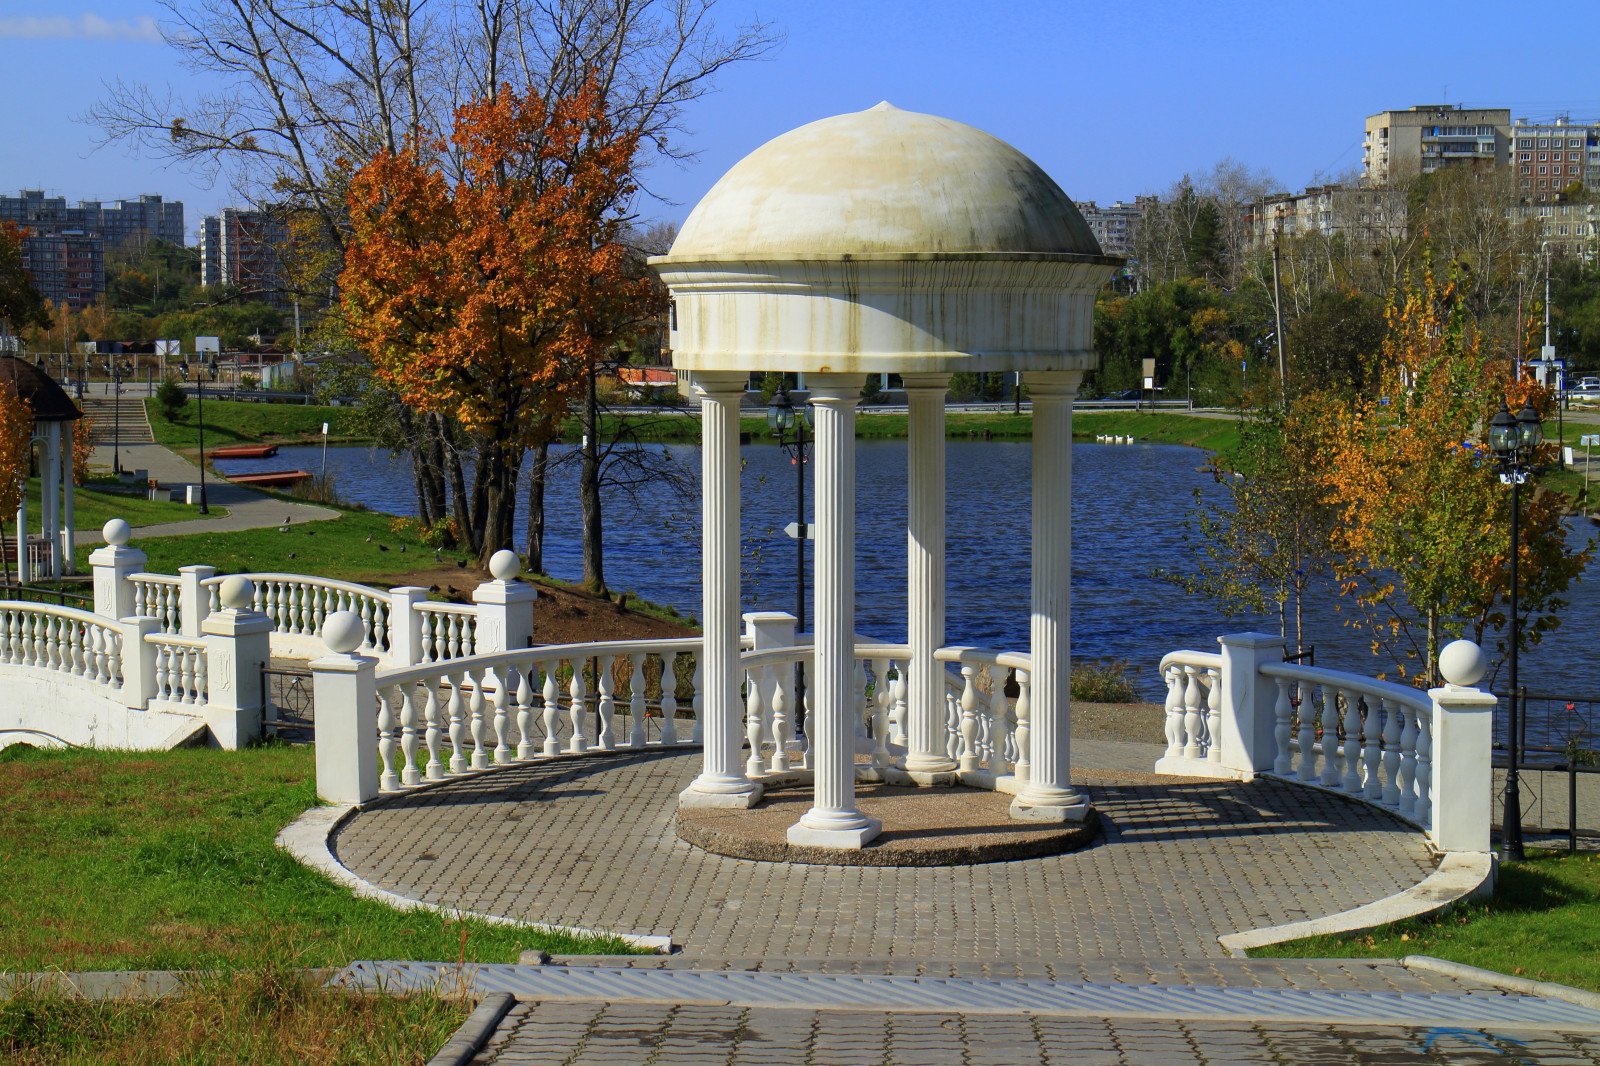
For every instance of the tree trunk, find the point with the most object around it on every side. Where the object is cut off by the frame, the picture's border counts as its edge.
(466, 528)
(541, 462)
(6, 559)
(495, 489)
(1433, 647)
(594, 573)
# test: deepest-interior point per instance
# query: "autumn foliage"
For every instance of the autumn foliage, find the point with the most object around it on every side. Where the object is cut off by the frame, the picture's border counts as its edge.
(486, 295)
(16, 434)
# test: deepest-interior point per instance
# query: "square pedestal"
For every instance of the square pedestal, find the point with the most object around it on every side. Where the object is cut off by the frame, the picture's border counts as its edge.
(843, 839)
(737, 800)
(1075, 812)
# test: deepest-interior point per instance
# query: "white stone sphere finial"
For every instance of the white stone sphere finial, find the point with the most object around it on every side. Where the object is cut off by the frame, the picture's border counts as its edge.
(117, 533)
(238, 593)
(1462, 663)
(504, 564)
(343, 631)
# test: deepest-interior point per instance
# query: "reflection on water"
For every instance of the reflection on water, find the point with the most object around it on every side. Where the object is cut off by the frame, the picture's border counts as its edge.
(1128, 508)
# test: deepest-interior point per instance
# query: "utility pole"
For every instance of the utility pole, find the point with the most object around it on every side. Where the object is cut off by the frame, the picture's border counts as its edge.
(1277, 310)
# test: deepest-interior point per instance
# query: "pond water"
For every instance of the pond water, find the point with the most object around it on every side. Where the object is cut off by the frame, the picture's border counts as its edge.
(1129, 504)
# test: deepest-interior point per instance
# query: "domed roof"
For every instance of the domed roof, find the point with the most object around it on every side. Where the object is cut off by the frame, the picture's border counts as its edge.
(884, 181)
(49, 401)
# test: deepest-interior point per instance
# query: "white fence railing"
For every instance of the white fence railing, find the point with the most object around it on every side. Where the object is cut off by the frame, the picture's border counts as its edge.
(64, 640)
(446, 630)
(297, 604)
(180, 668)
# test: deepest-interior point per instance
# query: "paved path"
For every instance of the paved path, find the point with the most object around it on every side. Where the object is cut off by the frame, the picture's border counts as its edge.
(247, 509)
(590, 843)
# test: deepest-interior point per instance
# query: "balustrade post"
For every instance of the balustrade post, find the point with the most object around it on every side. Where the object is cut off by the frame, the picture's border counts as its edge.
(113, 565)
(194, 599)
(505, 607)
(1461, 753)
(345, 688)
(722, 781)
(767, 630)
(238, 646)
(1248, 740)
(405, 625)
(138, 662)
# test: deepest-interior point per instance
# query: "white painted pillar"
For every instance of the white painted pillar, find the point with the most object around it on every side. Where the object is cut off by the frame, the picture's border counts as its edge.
(1462, 786)
(1049, 795)
(927, 758)
(405, 625)
(1249, 739)
(112, 566)
(722, 782)
(50, 497)
(24, 572)
(69, 523)
(194, 597)
(833, 820)
(345, 688)
(238, 646)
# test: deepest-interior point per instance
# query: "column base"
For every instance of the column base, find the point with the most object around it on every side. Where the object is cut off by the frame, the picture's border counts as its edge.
(841, 839)
(897, 775)
(1049, 812)
(744, 800)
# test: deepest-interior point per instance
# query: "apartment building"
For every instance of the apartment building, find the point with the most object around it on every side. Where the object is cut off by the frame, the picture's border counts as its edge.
(1356, 213)
(1562, 229)
(1114, 226)
(239, 247)
(115, 222)
(1550, 156)
(68, 268)
(1402, 144)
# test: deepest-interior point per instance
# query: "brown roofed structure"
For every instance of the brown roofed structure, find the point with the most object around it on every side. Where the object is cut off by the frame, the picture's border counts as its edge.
(49, 401)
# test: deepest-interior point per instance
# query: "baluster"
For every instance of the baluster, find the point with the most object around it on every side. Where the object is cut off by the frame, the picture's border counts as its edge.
(388, 781)
(752, 724)
(1308, 732)
(1372, 747)
(5, 632)
(1213, 715)
(525, 709)
(163, 671)
(636, 707)
(1192, 721)
(453, 638)
(502, 680)
(669, 697)
(999, 715)
(113, 667)
(480, 757)
(969, 719)
(191, 680)
(214, 597)
(1352, 742)
(430, 711)
(694, 699)
(1283, 711)
(29, 621)
(782, 721)
(202, 679)
(458, 727)
(1392, 713)
(469, 636)
(552, 746)
(863, 705)
(577, 699)
(366, 623)
(810, 720)
(607, 665)
(952, 725)
(1024, 731)
(900, 704)
(1423, 811)
(321, 605)
(1407, 805)
(1174, 720)
(1330, 737)
(74, 648)
(883, 700)
(380, 625)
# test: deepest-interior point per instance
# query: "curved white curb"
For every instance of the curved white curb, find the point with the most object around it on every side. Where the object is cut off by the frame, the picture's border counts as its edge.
(1461, 875)
(306, 838)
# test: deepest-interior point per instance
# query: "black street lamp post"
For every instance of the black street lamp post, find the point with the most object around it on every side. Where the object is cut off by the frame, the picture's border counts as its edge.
(205, 369)
(116, 417)
(782, 416)
(1514, 440)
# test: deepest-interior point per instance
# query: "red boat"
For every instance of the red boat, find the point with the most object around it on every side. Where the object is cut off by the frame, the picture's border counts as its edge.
(271, 479)
(245, 451)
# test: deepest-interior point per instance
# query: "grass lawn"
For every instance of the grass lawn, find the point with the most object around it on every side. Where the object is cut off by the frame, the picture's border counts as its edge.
(165, 860)
(260, 1017)
(92, 509)
(1543, 922)
(234, 422)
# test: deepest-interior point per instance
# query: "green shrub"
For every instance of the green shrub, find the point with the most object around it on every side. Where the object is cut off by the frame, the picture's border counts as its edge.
(1103, 681)
(172, 399)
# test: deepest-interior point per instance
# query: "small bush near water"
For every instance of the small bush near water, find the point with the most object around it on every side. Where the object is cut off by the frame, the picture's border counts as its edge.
(1103, 681)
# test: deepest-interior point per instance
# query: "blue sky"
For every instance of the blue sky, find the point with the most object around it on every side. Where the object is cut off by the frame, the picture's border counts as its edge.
(1111, 98)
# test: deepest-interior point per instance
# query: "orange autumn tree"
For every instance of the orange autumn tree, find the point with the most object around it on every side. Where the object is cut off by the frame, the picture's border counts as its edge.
(486, 295)
(1422, 545)
(16, 433)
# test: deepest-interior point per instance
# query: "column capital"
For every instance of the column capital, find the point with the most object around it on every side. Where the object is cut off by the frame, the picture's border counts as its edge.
(939, 383)
(1052, 383)
(719, 383)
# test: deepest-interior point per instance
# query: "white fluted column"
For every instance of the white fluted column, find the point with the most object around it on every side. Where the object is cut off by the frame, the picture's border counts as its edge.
(722, 782)
(69, 432)
(833, 820)
(1049, 795)
(927, 758)
(50, 497)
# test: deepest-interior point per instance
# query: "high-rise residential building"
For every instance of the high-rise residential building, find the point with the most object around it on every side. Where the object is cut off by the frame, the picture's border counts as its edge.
(1402, 144)
(1114, 226)
(239, 247)
(68, 268)
(1562, 229)
(1335, 210)
(148, 217)
(1549, 156)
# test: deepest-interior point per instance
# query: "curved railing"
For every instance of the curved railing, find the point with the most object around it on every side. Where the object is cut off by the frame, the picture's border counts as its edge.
(297, 604)
(158, 596)
(62, 639)
(461, 715)
(1366, 738)
(1194, 704)
(447, 630)
(988, 732)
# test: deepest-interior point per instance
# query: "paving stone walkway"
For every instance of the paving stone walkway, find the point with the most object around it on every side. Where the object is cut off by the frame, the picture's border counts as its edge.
(590, 843)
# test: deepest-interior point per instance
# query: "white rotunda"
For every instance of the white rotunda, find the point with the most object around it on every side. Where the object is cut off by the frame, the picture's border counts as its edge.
(884, 241)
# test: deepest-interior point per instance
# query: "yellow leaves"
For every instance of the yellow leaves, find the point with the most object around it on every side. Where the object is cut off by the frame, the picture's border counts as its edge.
(16, 432)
